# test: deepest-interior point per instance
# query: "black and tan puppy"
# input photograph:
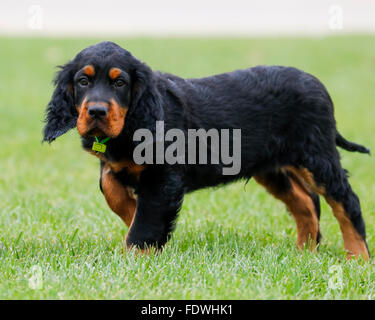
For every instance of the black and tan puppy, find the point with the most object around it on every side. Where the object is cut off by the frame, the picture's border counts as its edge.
(288, 139)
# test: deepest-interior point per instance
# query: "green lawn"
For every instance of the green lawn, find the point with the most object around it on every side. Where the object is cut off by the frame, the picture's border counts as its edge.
(235, 242)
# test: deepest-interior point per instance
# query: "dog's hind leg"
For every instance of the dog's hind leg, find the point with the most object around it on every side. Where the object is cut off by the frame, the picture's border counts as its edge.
(302, 203)
(327, 177)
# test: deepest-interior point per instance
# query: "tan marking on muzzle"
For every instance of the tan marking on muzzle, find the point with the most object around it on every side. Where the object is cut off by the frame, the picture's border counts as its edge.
(111, 125)
(82, 117)
(116, 118)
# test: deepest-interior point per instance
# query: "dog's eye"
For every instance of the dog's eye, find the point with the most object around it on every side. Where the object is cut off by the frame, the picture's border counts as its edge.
(119, 83)
(83, 82)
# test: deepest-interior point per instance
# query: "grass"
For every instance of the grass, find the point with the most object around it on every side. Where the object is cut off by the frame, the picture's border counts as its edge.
(235, 242)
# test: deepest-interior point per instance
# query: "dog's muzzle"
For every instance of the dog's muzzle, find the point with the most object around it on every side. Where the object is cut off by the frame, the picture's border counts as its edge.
(97, 112)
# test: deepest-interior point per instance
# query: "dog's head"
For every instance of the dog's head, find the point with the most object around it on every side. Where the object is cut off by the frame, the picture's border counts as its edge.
(101, 91)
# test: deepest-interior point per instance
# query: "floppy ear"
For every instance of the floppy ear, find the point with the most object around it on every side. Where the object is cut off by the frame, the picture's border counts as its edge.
(146, 103)
(61, 114)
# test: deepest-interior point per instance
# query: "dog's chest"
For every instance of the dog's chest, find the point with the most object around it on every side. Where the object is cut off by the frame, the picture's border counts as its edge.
(119, 166)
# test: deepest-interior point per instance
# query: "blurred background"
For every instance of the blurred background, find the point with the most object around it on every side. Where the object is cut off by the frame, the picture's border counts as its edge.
(51, 211)
(193, 17)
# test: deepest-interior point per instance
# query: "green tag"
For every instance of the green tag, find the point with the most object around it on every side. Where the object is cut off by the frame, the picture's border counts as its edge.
(99, 147)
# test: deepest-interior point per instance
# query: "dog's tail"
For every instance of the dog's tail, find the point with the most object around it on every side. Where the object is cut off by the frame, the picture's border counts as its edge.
(350, 146)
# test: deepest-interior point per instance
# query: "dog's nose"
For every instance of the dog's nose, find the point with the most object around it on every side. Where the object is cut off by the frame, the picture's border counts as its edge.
(97, 112)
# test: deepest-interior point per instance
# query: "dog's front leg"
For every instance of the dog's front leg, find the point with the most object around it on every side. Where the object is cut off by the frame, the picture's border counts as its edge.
(157, 208)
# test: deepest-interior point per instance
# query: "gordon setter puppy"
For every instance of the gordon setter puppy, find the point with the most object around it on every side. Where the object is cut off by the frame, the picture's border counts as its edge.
(288, 140)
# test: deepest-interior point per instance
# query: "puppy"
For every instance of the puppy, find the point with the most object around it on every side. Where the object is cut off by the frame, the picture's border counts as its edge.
(287, 133)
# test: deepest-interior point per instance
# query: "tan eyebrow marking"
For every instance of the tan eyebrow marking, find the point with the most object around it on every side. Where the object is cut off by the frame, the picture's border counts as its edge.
(89, 70)
(114, 73)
